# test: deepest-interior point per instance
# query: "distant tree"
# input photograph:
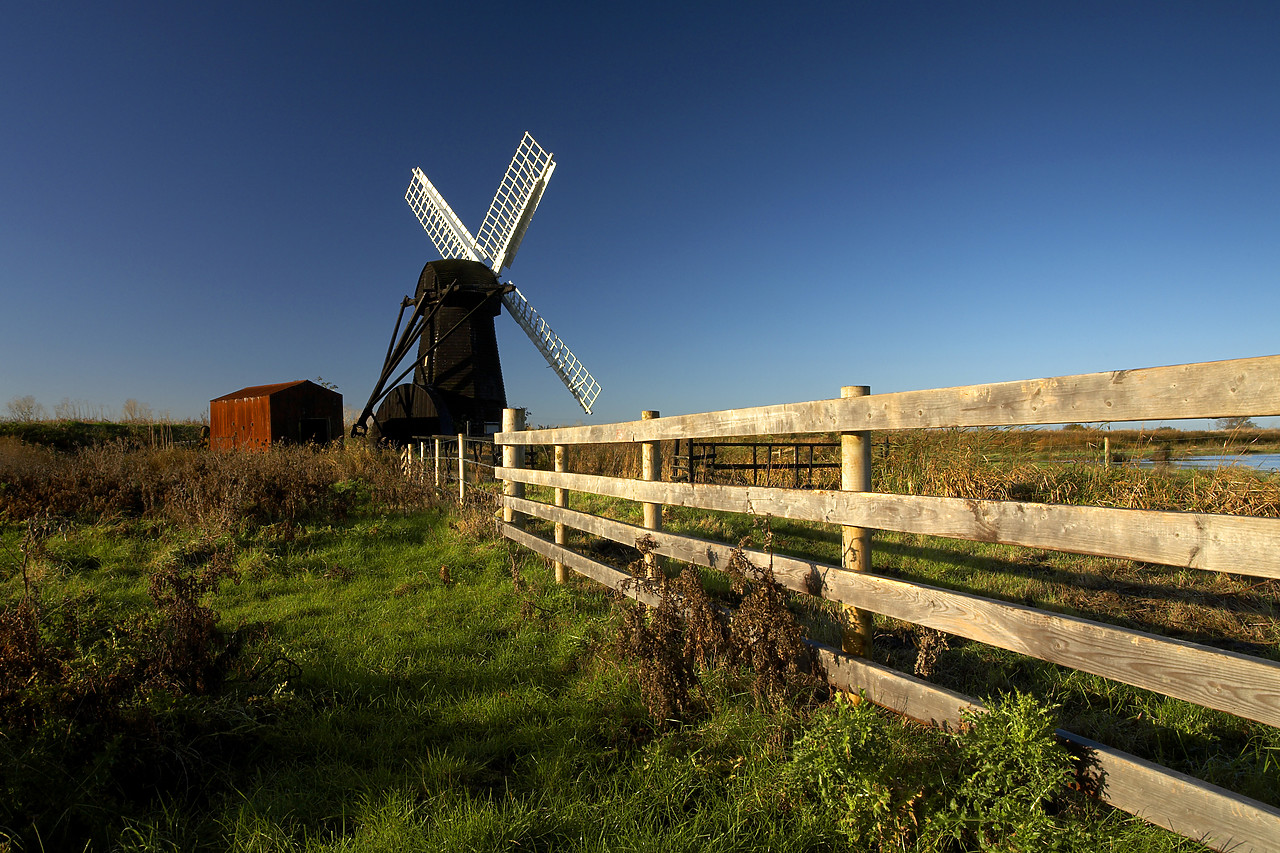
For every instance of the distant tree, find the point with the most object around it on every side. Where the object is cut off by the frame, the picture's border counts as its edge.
(133, 412)
(1235, 423)
(325, 383)
(77, 410)
(26, 408)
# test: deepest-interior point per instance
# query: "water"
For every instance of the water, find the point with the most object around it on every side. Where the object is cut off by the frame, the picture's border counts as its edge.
(1257, 461)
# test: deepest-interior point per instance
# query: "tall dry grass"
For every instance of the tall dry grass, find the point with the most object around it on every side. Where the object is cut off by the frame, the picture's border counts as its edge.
(958, 463)
(197, 487)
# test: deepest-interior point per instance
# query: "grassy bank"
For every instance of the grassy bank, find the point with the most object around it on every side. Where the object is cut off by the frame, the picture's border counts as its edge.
(1235, 613)
(383, 674)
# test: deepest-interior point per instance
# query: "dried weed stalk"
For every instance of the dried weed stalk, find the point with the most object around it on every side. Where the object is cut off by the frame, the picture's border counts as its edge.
(767, 638)
(686, 632)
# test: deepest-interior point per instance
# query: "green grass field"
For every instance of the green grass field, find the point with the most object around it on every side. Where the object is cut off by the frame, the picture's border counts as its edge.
(407, 690)
(387, 675)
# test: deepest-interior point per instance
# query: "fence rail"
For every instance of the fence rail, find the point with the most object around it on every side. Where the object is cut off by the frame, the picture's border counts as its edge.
(1238, 388)
(1239, 684)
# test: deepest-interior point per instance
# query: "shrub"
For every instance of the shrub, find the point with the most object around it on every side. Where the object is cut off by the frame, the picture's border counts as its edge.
(996, 784)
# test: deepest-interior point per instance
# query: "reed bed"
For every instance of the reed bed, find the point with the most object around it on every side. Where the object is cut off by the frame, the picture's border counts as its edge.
(191, 487)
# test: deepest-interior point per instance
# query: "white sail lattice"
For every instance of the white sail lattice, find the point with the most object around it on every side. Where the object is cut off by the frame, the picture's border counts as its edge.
(450, 236)
(580, 383)
(499, 239)
(515, 203)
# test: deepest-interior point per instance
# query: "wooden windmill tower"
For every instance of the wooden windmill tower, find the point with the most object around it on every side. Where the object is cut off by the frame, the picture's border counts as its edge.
(457, 375)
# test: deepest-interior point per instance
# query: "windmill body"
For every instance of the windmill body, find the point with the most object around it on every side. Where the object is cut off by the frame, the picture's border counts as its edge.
(456, 383)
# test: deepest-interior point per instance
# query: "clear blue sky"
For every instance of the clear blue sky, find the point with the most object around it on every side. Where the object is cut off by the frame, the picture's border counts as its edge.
(752, 204)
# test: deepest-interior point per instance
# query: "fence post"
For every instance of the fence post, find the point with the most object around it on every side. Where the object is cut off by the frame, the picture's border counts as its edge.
(437, 441)
(462, 468)
(855, 476)
(512, 457)
(1106, 451)
(562, 499)
(651, 470)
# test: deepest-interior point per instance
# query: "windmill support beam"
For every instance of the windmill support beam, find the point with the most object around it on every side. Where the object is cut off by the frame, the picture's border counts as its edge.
(412, 335)
(395, 355)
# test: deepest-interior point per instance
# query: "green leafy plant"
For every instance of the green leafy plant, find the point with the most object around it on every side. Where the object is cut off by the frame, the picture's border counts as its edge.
(869, 769)
(994, 784)
(1011, 768)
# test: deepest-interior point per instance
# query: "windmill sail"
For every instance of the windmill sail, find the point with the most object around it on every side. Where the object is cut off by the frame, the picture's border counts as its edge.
(515, 202)
(442, 225)
(580, 383)
(496, 244)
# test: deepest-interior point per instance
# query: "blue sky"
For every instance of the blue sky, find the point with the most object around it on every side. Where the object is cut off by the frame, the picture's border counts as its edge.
(752, 204)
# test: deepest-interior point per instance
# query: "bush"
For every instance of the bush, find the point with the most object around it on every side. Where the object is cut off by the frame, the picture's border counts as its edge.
(996, 784)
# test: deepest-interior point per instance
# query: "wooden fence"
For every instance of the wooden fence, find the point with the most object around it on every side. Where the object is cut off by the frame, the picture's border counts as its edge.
(1238, 684)
(459, 460)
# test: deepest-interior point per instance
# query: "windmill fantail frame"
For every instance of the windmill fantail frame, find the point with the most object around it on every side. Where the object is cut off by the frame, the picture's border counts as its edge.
(457, 374)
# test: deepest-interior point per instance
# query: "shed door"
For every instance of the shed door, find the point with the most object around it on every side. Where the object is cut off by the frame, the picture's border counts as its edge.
(315, 430)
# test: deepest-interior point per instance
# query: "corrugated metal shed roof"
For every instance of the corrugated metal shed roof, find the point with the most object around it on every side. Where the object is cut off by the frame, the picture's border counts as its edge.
(261, 390)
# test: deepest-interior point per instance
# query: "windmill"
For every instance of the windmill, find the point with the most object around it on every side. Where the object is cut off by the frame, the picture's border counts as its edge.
(457, 376)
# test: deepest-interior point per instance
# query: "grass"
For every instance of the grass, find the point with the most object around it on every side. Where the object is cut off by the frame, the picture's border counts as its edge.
(443, 717)
(408, 682)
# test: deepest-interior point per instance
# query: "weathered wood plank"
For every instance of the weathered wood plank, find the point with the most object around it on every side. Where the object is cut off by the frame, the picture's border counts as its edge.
(1220, 819)
(1227, 681)
(901, 693)
(1216, 817)
(597, 571)
(1248, 387)
(1219, 543)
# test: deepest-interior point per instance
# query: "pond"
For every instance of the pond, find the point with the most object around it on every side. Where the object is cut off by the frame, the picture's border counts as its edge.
(1257, 461)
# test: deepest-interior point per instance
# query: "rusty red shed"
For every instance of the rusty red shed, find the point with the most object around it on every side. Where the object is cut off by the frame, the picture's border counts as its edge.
(287, 412)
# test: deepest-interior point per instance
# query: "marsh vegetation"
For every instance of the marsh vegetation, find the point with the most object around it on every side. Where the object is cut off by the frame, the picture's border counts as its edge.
(301, 650)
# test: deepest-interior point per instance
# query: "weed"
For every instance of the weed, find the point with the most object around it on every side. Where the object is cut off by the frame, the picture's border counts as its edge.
(869, 770)
(104, 697)
(1011, 769)
(677, 640)
(930, 645)
(998, 783)
(766, 637)
(190, 657)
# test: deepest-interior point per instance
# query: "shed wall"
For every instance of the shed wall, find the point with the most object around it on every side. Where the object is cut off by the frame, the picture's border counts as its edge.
(241, 423)
(294, 411)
